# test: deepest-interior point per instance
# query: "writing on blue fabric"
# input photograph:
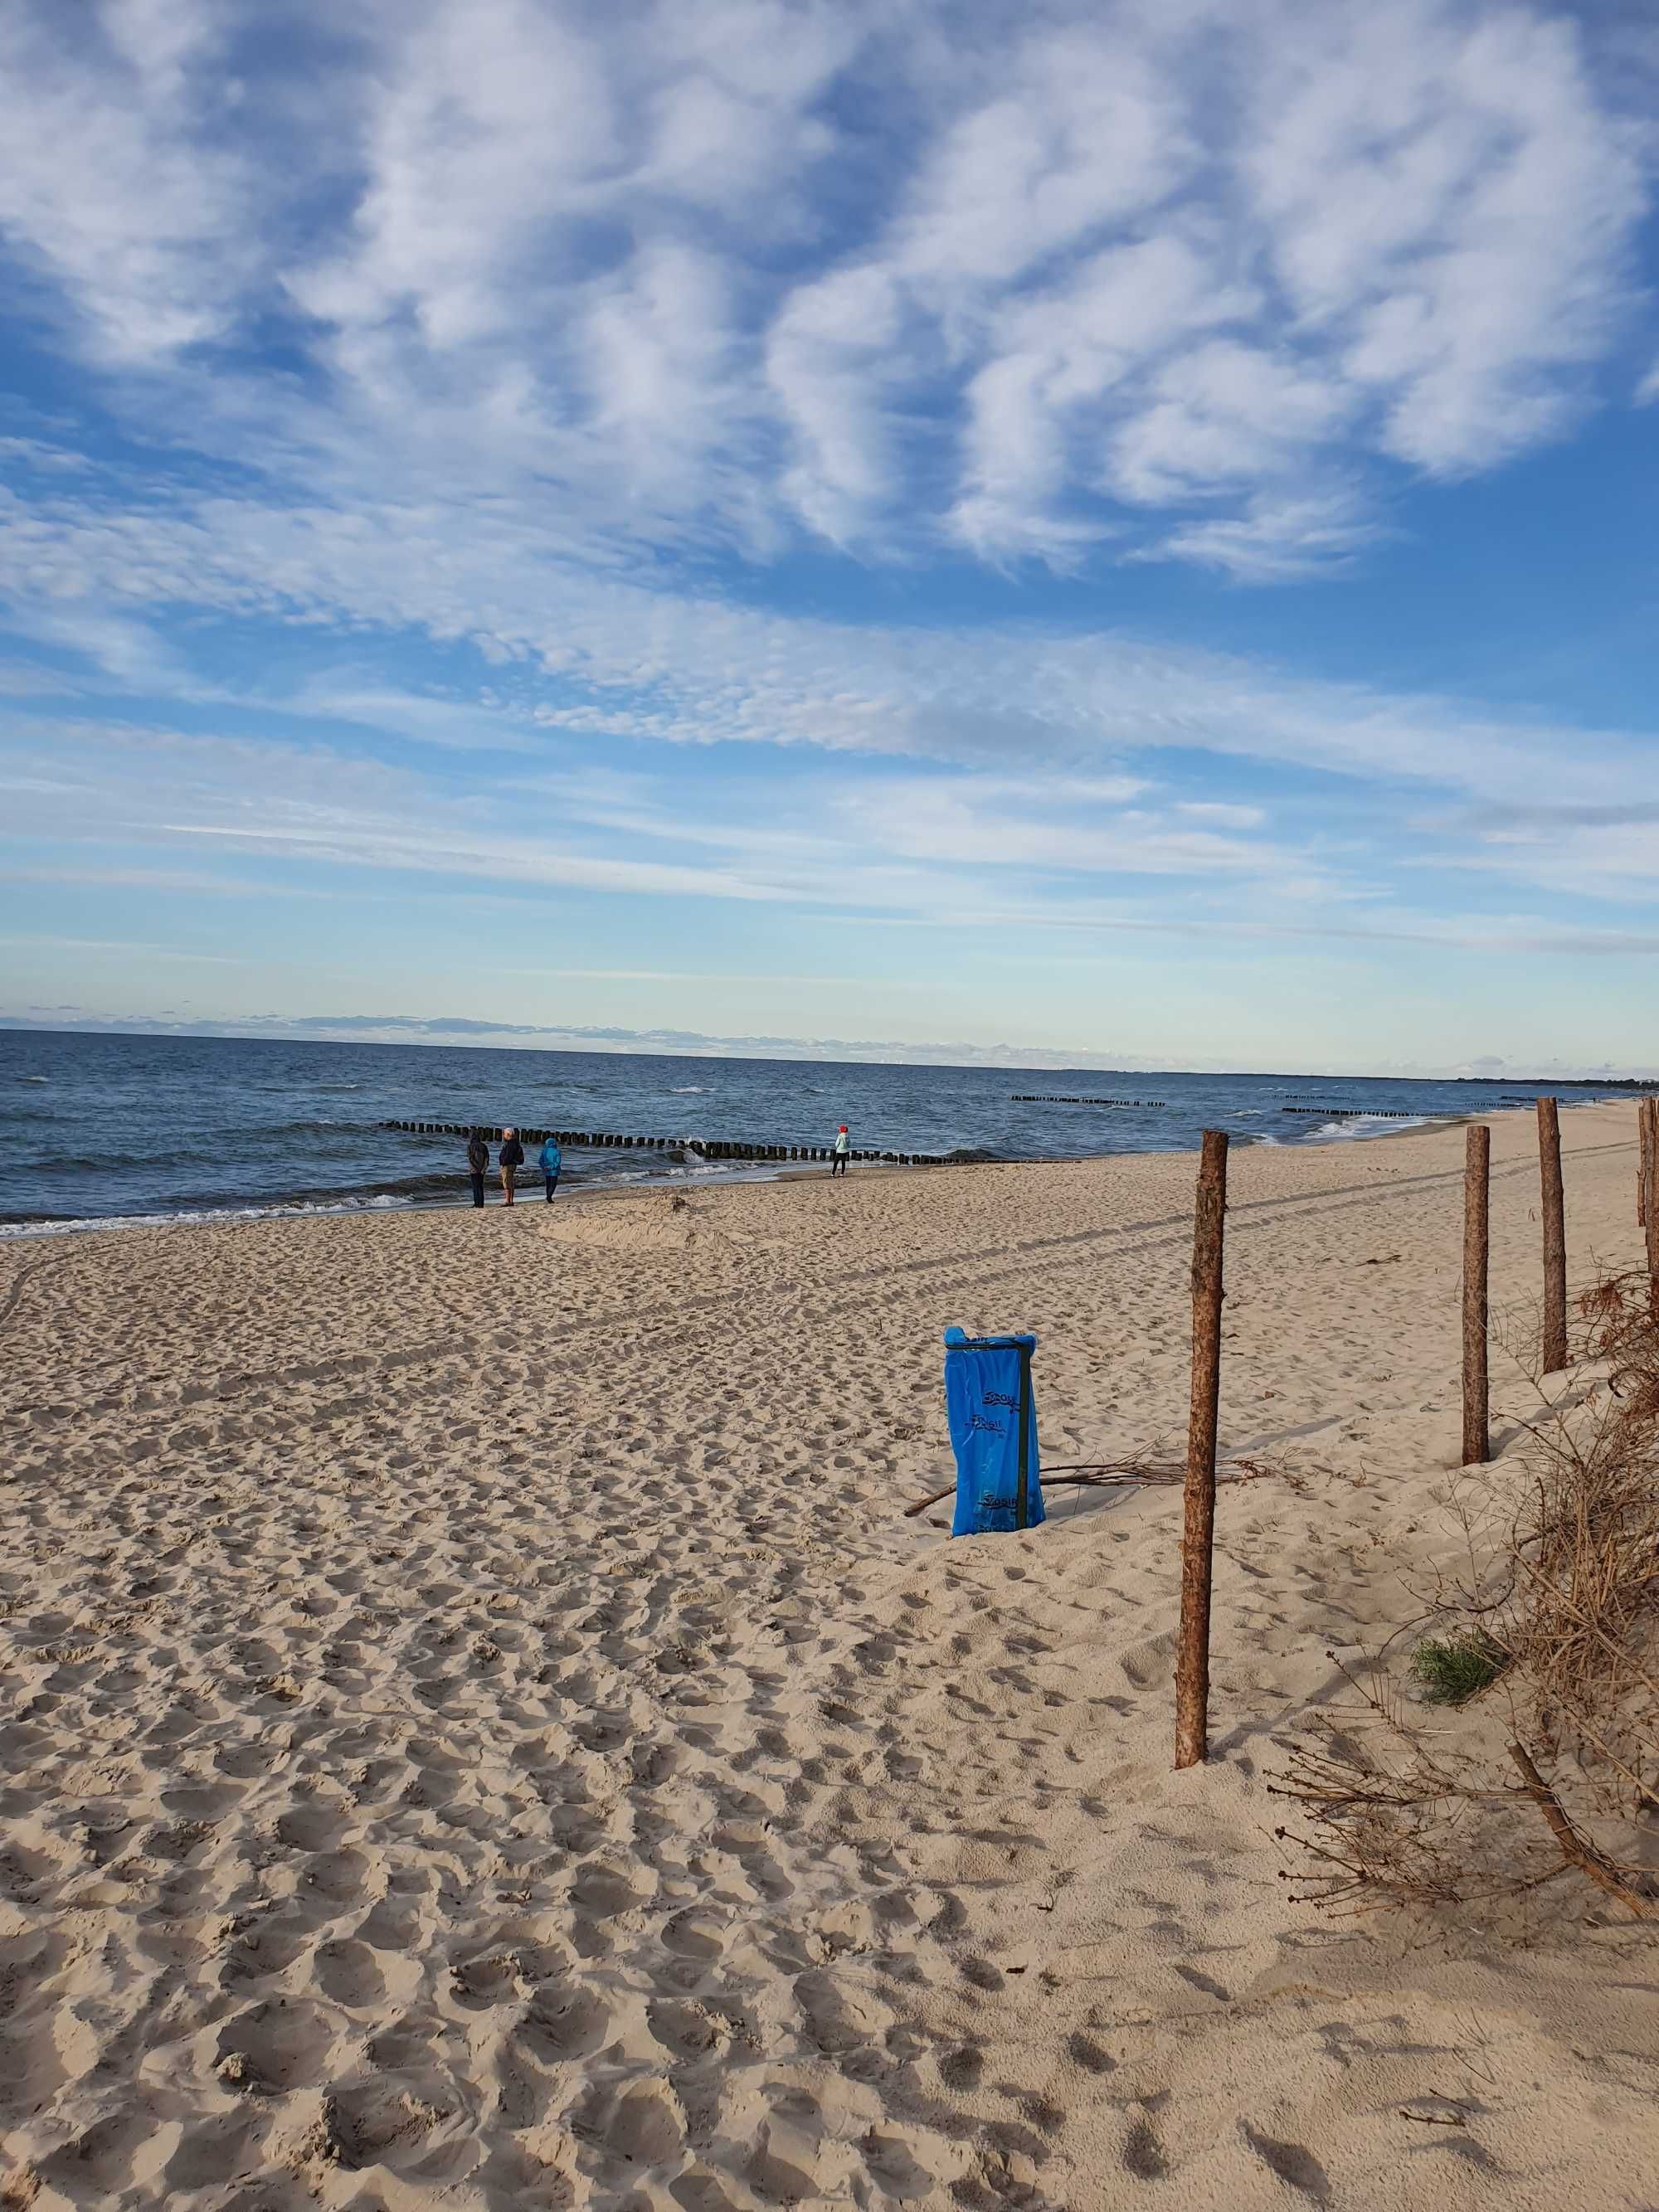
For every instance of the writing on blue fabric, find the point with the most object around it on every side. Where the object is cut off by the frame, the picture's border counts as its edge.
(999, 1484)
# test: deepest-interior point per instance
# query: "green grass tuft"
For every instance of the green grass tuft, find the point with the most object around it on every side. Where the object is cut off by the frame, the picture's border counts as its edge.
(1452, 1668)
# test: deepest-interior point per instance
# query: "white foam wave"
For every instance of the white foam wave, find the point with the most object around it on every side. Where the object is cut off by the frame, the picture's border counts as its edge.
(1357, 1126)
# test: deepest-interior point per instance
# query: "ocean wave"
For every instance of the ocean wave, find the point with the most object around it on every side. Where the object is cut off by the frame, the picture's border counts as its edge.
(392, 1193)
(230, 1149)
(1357, 1126)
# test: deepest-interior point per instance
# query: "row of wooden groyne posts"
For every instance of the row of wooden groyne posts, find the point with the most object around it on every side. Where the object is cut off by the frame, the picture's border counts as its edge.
(708, 1148)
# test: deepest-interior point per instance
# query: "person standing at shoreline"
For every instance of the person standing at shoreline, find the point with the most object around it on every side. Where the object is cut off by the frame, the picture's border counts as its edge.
(842, 1148)
(478, 1164)
(552, 1161)
(511, 1159)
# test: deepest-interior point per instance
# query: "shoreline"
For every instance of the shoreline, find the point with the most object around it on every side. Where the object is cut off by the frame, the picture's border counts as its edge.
(29, 1230)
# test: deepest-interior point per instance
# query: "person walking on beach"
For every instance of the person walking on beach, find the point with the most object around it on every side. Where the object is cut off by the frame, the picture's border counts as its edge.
(843, 1146)
(552, 1161)
(478, 1164)
(511, 1158)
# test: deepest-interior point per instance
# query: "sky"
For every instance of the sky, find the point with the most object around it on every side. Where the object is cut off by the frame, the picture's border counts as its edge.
(1118, 530)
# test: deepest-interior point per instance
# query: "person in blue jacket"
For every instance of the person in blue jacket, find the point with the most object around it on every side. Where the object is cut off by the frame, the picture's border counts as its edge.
(552, 1161)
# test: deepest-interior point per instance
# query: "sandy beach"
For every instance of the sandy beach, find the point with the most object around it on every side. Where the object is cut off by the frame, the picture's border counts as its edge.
(480, 1731)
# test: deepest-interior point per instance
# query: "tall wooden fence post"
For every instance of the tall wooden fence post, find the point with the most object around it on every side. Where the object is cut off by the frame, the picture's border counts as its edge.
(1198, 1536)
(1644, 1145)
(1477, 1443)
(1555, 1237)
(1650, 1193)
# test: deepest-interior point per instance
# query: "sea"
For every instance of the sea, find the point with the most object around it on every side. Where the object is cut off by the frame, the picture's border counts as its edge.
(101, 1130)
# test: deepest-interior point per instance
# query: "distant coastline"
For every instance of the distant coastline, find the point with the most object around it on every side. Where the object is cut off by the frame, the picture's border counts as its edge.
(456, 1034)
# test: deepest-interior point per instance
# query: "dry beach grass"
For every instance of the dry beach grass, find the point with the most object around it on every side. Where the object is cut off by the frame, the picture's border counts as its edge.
(479, 1731)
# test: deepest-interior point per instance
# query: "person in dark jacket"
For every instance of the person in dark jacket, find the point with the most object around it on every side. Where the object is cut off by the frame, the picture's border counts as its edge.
(510, 1159)
(478, 1164)
(552, 1161)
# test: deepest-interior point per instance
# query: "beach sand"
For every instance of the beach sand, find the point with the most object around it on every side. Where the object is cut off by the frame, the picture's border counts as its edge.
(479, 1731)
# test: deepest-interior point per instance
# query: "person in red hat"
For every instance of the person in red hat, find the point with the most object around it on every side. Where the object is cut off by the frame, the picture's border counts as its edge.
(843, 1148)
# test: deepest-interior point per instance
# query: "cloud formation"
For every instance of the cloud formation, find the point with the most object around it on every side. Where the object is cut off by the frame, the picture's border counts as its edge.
(1191, 279)
(734, 465)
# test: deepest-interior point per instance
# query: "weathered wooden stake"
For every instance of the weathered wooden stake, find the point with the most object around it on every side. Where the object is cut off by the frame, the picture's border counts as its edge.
(1477, 1443)
(1644, 1131)
(1198, 1538)
(1555, 1237)
(1650, 1196)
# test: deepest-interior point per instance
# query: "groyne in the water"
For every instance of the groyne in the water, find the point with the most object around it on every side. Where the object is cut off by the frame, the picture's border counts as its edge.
(708, 1148)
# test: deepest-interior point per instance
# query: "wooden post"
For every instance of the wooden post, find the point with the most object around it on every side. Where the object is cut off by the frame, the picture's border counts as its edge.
(1555, 1237)
(1650, 1193)
(1477, 1444)
(1198, 1536)
(1644, 1138)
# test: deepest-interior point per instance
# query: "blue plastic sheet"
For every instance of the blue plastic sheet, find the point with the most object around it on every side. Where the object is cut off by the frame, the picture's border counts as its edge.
(991, 1411)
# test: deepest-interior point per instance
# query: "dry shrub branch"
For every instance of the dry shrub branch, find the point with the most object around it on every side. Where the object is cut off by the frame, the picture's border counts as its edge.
(1552, 1771)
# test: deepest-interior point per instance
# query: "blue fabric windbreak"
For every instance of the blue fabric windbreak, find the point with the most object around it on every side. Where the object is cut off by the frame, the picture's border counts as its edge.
(993, 1432)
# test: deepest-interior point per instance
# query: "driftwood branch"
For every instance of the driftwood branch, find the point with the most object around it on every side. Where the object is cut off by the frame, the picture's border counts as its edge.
(1098, 1478)
(1134, 1474)
(1573, 1847)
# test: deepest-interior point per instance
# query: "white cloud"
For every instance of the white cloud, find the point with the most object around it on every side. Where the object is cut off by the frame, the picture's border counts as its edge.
(967, 821)
(117, 645)
(115, 178)
(1222, 815)
(1068, 840)
(504, 328)
(834, 361)
(1070, 128)
(1448, 205)
(1275, 537)
(1057, 356)
(598, 655)
(1224, 415)
(721, 274)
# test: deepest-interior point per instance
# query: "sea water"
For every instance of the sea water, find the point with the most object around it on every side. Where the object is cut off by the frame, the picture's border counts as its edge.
(97, 1128)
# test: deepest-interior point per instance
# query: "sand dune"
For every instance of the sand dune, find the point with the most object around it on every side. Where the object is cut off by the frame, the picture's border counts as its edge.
(479, 1732)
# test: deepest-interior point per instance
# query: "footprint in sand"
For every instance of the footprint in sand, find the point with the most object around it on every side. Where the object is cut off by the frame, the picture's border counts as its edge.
(281, 2044)
(557, 2028)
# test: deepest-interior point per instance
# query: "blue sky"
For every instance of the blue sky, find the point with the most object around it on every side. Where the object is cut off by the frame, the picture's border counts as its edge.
(1125, 530)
